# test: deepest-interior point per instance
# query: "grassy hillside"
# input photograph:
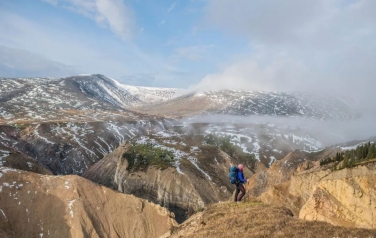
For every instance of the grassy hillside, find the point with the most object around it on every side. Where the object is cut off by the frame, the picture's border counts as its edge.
(254, 219)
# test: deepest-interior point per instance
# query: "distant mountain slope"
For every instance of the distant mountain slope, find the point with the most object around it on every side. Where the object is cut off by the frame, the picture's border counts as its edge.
(246, 103)
(69, 147)
(50, 99)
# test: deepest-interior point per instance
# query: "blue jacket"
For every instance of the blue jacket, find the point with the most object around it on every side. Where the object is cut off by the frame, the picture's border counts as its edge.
(241, 177)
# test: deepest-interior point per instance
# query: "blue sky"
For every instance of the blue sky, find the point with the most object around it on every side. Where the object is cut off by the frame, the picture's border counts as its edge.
(292, 45)
(153, 43)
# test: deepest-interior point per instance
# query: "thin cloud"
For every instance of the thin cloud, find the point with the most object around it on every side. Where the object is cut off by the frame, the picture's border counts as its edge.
(113, 14)
(161, 23)
(172, 7)
(81, 50)
(52, 2)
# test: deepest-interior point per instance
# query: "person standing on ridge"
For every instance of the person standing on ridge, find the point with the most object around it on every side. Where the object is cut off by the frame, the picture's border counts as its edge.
(239, 184)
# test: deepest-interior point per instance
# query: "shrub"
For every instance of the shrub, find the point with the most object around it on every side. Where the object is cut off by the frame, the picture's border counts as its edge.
(140, 157)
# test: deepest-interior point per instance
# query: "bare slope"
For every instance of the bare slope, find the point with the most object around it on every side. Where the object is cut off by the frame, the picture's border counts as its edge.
(34, 205)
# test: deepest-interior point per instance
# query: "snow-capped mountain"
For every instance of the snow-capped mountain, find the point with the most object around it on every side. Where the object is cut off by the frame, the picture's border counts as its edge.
(82, 98)
(125, 96)
(78, 96)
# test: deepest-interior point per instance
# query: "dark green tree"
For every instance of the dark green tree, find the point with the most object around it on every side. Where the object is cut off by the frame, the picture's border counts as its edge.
(346, 161)
(359, 153)
(371, 152)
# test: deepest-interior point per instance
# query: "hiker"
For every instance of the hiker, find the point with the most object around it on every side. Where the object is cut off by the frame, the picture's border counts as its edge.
(239, 184)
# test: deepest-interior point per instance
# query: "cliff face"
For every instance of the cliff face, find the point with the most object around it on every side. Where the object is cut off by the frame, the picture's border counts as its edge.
(346, 197)
(182, 192)
(280, 171)
(34, 205)
(167, 188)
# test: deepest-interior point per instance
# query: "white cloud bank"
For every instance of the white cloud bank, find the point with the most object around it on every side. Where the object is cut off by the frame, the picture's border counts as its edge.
(328, 132)
(316, 45)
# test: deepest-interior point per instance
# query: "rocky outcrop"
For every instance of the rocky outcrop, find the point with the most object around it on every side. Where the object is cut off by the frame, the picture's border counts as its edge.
(182, 192)
(346, 198)
(280, 171)
(302, 184)
(278, 184)
(34, 205)
(295, 192)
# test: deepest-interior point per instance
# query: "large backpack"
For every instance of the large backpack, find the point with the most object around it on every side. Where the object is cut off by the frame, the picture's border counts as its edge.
(233, 174)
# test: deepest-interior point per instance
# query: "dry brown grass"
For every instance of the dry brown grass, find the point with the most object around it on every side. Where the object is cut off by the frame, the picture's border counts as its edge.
(254, 219)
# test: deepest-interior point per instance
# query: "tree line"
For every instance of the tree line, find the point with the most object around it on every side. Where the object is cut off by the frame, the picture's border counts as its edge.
(351, 158)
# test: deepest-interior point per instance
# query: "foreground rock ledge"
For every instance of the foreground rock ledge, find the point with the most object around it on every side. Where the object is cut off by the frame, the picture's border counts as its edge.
(34, 205)
(252, 219)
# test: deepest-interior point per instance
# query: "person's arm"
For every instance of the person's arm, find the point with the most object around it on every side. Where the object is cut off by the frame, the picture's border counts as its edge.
(241, 177)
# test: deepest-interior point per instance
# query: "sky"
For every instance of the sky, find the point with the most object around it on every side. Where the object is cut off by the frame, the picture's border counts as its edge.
(325, 46)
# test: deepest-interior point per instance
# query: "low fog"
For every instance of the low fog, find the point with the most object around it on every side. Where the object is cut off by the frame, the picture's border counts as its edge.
(328, 132)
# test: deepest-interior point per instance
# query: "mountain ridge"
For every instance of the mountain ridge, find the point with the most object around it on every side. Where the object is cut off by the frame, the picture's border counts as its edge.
(98, 92)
